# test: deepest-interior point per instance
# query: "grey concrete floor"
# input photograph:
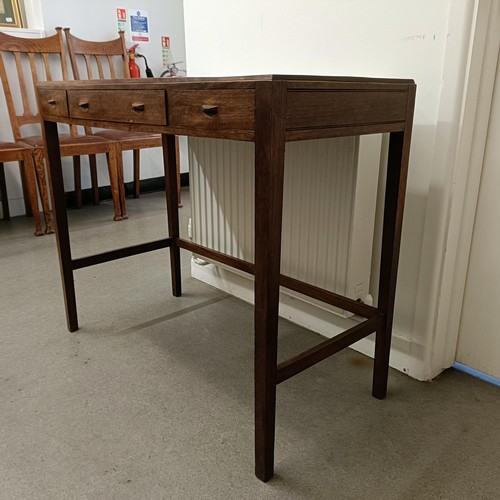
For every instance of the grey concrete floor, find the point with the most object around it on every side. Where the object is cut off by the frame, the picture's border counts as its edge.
(153, 397)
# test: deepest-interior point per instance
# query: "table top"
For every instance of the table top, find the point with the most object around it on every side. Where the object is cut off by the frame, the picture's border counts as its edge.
(309, 107)
(249, 79)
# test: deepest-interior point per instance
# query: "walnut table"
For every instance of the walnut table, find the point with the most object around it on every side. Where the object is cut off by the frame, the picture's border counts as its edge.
(268, 110)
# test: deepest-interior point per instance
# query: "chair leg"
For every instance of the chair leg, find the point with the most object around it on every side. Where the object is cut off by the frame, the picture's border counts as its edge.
(29, 172)
(121, 183)
(93, 178)
(36, 162)
(78, 181)
(137, 173)
(27, 207)
(114, 167)
(3, 194)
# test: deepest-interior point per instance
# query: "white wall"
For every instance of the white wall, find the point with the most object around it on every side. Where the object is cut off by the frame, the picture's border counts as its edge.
(96, 20)
(420, 39)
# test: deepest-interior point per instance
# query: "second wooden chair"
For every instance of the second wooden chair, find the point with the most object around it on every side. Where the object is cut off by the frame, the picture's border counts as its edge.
(109, 59)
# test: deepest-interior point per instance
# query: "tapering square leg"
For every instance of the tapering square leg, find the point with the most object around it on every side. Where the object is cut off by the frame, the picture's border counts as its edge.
(170, 166)
(61, 223)
(269, 174)
(397, 169)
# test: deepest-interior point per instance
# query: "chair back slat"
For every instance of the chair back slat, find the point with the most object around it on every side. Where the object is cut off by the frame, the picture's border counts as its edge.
(34, 72)
(111, 67)
(99, 67)
(34, 54)
(23, 89)
(46, 65)
(88, 65)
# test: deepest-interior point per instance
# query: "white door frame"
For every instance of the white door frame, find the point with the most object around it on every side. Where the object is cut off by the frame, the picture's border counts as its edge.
(470, 146)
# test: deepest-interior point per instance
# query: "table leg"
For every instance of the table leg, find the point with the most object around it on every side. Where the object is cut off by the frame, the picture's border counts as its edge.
(61, 223)
(170, 166)
(3, 194)
(397, 169)
(269, 173)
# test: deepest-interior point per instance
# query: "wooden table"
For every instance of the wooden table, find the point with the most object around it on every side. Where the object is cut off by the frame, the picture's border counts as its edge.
(268, 110)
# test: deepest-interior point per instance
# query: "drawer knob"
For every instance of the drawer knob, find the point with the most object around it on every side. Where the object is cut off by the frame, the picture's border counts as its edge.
(52, 102)
(84, 105)
(210, 109)
(138, 107)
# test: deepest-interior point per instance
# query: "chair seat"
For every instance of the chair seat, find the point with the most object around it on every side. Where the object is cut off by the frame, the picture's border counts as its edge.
(7, 147)
(12, 151)
(65, 140)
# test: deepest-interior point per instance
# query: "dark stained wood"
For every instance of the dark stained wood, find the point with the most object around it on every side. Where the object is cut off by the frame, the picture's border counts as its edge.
(170, 165)
(208, 253)
(347, 83)
(328, 109)
(53, 102)
(78, 181)
(121, 253)
(236, 135)
(395, 192)
(269, 174)
(93, 179)
(147, 108)
(61, 223)
(212, 109)
(3, 194)
(312, 107)
(239, 82)
(306, 359)
(334, 299)
(345, 131)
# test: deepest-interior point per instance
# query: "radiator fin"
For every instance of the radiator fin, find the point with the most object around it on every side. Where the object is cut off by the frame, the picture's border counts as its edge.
(319, 195)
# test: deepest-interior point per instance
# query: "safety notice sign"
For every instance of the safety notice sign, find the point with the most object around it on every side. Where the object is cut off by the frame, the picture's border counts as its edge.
(139, 25)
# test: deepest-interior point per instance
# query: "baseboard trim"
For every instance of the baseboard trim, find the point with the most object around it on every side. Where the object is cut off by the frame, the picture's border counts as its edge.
(147, 186)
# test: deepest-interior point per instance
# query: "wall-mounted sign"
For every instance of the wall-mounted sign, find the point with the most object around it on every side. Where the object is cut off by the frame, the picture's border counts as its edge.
(121, 19)
(139, 26)
(165, 51)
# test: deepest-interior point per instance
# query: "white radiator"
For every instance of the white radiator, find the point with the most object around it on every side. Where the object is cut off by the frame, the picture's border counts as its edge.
(328, 211)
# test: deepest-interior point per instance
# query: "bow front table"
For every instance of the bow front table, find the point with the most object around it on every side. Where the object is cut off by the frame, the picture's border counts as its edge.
(268, 110)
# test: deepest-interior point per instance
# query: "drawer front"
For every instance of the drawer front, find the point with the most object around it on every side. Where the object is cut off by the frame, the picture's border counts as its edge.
(53, 102)
(323, 109)
(212, 109)
(131, 106)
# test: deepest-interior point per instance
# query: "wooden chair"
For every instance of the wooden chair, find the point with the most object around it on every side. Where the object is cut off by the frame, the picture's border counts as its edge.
(110, 59)
(35, 60)
(16, 152)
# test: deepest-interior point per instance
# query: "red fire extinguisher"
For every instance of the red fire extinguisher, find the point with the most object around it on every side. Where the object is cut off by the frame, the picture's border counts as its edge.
(134, 69)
